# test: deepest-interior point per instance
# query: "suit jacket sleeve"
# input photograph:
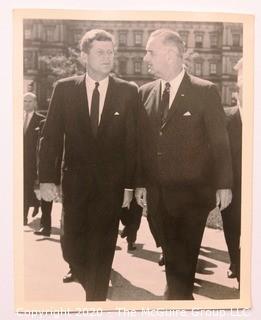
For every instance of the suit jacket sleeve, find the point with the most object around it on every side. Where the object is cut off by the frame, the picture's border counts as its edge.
(214, 117)
(141, 125)
(131, 138)
(51, 144)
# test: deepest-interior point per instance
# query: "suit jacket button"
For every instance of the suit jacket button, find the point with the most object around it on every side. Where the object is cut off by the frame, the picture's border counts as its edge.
(160, 133)
(159, 153)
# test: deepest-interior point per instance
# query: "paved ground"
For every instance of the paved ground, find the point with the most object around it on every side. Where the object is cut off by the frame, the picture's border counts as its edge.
(135, 275)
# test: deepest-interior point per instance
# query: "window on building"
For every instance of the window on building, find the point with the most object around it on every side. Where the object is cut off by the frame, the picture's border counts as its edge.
(199, 41)
(122, 67)
(29, 60)
(77, 35)
(236, 40)
(122, 38)
(138, 38)
(184, 36)
(137, 67)
(50, 34)
(198, 69)
(28, 34)
(213, 68)
(214, 41)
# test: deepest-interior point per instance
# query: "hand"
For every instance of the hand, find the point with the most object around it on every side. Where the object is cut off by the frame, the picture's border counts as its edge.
(59, 193)
(127, 198)
(223, 198)
(37, 194)
(141, 197)
(48, 191)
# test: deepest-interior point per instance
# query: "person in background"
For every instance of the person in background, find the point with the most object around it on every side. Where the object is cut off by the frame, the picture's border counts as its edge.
(46, 206)
(31, 123)
(131, 219)
(231, 216)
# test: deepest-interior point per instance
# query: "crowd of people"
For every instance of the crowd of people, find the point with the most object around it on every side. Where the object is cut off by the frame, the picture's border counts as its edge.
(111, 150)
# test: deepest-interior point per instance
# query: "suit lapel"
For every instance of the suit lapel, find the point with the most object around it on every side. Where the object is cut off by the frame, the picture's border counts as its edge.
(31, 124)
(109, 103)
(179, 103)
(152, 104)
(81, 96)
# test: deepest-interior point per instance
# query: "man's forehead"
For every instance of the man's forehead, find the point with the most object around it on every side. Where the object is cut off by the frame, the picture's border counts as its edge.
(102, 44)
(154, 43)
(29, 98)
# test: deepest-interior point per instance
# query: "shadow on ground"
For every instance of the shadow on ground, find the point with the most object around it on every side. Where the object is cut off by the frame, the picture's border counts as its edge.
(215, 254)
(123, 290)
(141, 253)
(214, 290)
(203, 265)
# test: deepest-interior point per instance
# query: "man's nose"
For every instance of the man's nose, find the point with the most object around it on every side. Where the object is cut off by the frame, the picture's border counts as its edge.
(146, 58)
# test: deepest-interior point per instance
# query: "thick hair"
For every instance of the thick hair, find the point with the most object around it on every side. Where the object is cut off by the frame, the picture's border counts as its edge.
(170, 37)
(94, 34)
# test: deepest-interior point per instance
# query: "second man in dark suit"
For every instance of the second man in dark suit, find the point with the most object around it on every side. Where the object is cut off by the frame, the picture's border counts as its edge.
(184, 158)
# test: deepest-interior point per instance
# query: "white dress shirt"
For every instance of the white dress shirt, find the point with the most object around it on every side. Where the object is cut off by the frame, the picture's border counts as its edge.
(174, 86)
(30, 114)
(102, 88)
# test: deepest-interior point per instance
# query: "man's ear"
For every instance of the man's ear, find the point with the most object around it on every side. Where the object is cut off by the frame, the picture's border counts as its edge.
(84, 58)
(172, 54)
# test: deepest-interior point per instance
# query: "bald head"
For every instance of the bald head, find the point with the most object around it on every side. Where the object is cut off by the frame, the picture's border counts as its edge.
(164, 55)
(169, 38)
(29, 102)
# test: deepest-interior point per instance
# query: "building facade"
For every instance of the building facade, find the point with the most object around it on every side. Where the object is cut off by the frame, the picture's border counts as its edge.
(213, 49)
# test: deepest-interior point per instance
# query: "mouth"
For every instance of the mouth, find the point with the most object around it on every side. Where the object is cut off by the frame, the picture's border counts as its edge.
(150, 68)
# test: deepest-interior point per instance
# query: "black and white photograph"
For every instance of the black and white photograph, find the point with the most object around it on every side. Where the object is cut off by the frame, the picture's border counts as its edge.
(133, 159)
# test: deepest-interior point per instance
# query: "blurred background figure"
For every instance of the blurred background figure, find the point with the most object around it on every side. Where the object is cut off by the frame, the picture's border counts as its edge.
(31, 128)
(231, 216)
(131, 219)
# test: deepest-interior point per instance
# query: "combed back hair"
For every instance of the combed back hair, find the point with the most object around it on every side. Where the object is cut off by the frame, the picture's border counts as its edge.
(95, 34)
(170, 37)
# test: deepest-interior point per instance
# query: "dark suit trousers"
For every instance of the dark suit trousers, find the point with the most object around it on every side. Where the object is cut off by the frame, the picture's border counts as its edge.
(153, 230)
(46, 208)
(131, 219)
(89, 238)
(30, 199)
(231, 218)
(180, 227)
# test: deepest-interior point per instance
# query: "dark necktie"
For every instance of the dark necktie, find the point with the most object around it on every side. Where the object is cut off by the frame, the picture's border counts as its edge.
(164, 104)
(26, 121)
(95, 109)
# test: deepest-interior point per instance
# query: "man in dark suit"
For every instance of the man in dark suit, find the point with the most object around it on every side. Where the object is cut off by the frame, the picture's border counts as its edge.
(231, 216)
(93, 115)
(184, 158)
(31, 127)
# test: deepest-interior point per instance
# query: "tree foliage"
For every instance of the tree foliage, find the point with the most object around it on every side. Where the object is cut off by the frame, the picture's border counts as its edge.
(63, 65)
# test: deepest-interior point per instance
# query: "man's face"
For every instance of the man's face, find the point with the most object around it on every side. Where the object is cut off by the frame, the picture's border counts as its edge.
(156, 57)
(100, 59)
(29, 103)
